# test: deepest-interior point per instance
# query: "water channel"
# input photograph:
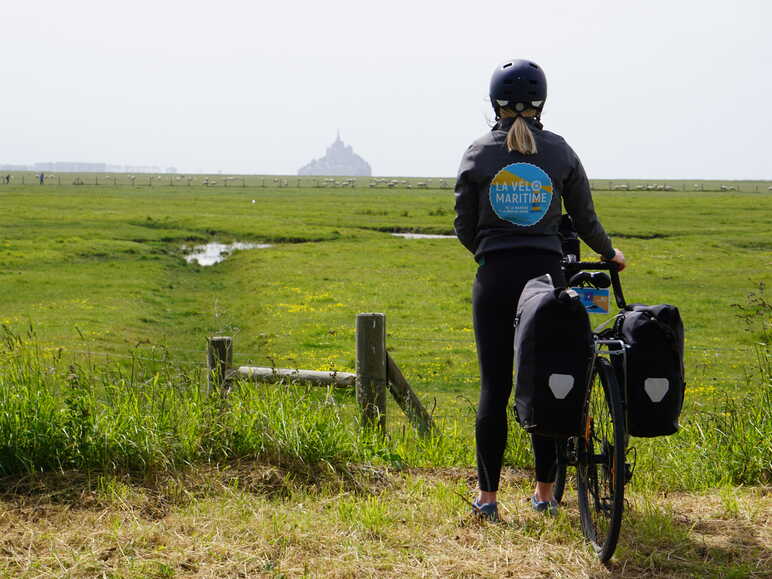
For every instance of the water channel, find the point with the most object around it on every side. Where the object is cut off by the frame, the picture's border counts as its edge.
(215, 252)
(423, 236)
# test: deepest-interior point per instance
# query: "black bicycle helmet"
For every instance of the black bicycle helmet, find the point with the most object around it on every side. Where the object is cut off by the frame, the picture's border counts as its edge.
(518, 85)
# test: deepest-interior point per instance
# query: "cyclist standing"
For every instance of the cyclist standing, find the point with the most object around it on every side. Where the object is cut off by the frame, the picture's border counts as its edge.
(510, 187)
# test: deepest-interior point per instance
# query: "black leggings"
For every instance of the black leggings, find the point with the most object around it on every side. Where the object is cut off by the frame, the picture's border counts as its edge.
(497, 287)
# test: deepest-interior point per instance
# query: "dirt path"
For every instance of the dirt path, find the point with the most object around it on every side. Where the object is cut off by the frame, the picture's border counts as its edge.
(247, 521)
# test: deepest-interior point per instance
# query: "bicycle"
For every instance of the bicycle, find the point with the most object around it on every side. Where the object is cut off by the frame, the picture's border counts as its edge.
(599, 454)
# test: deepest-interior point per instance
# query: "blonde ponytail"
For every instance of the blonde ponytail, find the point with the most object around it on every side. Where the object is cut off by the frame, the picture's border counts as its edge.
(520, 138)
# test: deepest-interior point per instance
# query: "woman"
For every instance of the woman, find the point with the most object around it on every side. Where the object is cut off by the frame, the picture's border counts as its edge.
(509, 190)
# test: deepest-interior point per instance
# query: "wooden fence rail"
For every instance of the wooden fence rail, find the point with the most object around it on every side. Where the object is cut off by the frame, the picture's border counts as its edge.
(375, 371)
(258, 374)
(407, 399)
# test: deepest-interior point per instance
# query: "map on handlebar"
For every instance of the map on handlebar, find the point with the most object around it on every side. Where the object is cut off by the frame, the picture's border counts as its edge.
(593, 286)
(594, 300)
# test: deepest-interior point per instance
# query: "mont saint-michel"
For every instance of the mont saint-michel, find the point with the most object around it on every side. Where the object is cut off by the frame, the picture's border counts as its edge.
(340, 159)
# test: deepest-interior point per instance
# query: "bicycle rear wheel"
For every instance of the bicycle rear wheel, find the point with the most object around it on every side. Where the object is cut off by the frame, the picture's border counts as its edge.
(600, 470)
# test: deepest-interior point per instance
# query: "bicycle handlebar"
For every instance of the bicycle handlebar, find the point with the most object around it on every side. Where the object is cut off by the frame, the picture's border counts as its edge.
(611, 267)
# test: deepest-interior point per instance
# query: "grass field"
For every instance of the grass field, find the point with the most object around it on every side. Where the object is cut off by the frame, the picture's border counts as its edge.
(109, 262)
(105, 334)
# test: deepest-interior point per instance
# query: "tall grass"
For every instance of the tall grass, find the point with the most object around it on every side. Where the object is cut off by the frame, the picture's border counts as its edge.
(145, 417)
(728, 445)
(59, 412)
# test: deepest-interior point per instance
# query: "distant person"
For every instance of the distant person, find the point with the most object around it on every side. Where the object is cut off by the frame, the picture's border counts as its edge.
(8, 179)
(42, 178)
(510, 187)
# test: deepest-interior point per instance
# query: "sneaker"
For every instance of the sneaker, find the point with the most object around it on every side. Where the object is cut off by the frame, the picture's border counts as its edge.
(487, 511)
(550, 507)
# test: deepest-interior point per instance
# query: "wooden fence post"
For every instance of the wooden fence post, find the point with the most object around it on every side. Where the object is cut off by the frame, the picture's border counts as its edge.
(407, 399)
(371, 369)
(219, 359)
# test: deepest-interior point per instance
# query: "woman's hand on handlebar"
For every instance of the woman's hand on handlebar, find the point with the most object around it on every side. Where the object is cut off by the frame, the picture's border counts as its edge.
(619, 259)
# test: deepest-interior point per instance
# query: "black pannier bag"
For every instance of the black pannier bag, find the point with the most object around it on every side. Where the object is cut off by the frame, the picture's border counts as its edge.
(553, 355)
(655, 369)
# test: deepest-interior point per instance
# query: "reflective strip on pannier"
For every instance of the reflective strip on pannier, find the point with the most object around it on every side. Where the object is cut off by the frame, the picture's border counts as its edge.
(561, 385)
(656, 388)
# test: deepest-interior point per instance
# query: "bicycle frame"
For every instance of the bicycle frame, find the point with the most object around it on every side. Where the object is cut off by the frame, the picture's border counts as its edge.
(614, 346)
(608, 346)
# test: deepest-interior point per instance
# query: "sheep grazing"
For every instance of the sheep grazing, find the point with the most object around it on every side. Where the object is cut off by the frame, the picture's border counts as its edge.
(728, 188)
(622, 187)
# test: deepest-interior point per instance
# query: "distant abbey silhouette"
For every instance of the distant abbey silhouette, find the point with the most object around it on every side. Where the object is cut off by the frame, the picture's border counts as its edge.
(340, 159)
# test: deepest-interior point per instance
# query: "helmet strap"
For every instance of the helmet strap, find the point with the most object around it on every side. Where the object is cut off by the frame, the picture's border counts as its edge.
(516, 113)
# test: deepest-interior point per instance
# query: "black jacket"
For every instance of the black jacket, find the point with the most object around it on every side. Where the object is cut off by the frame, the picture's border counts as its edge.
(507, 200)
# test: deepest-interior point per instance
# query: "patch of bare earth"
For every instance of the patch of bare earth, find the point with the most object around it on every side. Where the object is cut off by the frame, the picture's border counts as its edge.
(249, 520)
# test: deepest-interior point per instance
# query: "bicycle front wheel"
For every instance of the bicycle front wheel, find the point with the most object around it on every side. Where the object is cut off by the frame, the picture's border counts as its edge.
(600, 470)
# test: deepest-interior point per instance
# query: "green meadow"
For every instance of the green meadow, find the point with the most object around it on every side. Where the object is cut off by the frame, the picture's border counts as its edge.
(104, 328)
(98, 274)
(101, 269)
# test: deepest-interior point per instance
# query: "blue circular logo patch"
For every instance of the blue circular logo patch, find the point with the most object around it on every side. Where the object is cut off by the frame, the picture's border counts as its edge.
(521, 193)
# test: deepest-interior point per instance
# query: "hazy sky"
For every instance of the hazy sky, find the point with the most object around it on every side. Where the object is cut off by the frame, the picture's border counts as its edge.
(639, 89)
